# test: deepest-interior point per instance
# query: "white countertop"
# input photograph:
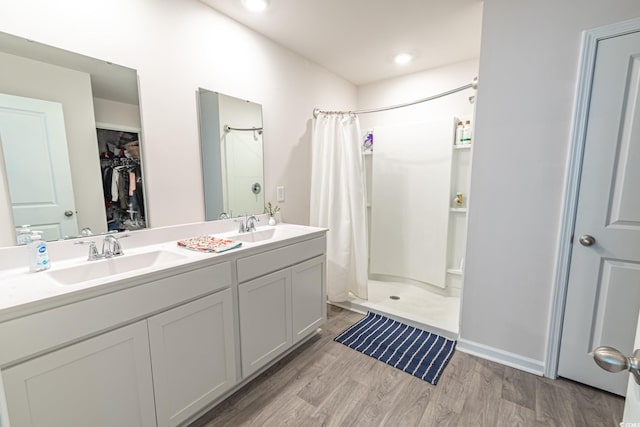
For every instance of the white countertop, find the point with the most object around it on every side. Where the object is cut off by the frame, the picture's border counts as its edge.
(22, 292)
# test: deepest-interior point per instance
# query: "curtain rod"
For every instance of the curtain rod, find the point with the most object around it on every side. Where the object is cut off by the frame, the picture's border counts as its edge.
(228, 128)
(472, 85)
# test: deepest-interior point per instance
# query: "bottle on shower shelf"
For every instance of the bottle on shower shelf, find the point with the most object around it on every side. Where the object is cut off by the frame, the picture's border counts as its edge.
(466, 133)
(367, 143)
(458, 201)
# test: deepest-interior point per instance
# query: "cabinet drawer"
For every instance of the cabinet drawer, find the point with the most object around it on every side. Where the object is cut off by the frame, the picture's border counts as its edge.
(277, 259)
(52, 328)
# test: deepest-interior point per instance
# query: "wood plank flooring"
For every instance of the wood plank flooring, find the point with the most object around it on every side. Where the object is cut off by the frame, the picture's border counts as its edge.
(324, 383)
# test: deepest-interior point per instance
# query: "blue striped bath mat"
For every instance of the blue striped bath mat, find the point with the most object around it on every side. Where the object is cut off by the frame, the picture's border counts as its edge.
(412, 350)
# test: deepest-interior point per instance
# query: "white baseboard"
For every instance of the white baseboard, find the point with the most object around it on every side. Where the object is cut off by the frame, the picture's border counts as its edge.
(500, 356)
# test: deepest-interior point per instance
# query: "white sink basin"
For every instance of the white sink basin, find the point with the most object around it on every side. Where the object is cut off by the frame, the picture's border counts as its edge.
(267, 233)
(92, 270)
(255, 236)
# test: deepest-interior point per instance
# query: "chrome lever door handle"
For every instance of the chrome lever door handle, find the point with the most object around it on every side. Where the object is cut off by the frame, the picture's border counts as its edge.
(612, 360)
(587, 240)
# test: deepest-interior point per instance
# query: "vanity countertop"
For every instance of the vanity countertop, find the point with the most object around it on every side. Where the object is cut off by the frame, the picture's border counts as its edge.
(148, 255)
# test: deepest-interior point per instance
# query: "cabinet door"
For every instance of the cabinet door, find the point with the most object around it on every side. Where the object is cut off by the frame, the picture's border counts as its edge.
(193, 356)
(308, 290)
(265, 319)
(101, 382)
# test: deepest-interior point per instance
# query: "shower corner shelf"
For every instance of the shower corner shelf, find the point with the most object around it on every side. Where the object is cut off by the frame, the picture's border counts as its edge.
(455, 271)
(462, 210)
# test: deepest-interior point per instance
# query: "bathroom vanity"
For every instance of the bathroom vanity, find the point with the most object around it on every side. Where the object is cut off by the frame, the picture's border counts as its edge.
(159, 335)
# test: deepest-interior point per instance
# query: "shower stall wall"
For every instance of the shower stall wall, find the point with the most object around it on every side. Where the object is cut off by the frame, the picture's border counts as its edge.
(417, 229)
(410, 201)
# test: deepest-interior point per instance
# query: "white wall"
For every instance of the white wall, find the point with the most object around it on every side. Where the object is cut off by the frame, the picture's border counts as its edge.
(417, 86)
(115, 113)
(528, 69)
(178, 46)
(23, 77)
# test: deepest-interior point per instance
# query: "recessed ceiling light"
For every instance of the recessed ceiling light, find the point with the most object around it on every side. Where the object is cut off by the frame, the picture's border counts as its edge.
(256, 5)
(402, 58)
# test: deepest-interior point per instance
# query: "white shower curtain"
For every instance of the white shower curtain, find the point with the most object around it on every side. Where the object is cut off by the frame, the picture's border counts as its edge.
(338, 202)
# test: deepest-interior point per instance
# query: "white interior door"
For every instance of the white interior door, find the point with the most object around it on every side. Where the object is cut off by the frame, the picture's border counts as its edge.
(34, 146)
(603, 295)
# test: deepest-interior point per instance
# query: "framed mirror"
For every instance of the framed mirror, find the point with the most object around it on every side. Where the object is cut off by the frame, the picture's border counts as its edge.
(52, 104)
(231, 146)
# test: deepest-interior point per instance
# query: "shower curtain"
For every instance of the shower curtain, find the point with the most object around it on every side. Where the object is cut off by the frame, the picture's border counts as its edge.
(338, 202)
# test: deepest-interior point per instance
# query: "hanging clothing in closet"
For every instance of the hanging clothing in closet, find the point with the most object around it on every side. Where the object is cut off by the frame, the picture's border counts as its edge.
(122, 181)
(123, 194)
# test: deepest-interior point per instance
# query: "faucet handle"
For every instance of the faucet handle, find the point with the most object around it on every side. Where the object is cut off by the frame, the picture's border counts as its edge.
(241, 221)
(117, 249)
(93, 252)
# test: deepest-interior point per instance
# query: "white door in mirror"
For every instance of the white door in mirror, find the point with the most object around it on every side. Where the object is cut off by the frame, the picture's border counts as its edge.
(34, 145)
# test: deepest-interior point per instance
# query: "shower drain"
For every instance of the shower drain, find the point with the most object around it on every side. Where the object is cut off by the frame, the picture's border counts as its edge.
(394, 297)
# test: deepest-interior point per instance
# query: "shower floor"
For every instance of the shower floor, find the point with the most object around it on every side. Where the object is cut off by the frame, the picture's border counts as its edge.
(417, 306)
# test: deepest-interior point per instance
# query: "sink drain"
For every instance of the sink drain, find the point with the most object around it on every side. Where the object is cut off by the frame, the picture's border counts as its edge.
(394, 297)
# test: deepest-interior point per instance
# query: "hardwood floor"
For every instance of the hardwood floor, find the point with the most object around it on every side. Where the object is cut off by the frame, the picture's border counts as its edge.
(324, 383)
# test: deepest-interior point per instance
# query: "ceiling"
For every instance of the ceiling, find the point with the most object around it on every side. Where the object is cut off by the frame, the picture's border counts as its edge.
(358, 39)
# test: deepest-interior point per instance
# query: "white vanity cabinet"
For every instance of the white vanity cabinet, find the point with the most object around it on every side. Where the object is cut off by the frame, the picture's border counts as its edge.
(176, 357)
(265, 320)
(193, 356)
(101, 382)
(308, 297)
(278, 309)
(164, 346)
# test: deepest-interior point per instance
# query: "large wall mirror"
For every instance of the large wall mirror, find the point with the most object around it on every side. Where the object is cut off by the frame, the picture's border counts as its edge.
(70, 139)
(231, 142)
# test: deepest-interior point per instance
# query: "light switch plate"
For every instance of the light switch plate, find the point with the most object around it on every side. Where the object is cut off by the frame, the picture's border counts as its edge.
(280, 193)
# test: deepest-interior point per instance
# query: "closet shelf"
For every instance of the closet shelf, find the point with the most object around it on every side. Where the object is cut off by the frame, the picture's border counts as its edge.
(455, 271)
(462, 147)
(461, 210)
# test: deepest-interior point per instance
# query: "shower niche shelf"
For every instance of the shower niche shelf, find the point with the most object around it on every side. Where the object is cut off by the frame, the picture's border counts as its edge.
(460, 178)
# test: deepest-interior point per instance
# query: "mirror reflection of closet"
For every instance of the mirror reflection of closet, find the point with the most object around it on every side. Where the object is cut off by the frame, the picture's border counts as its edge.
(122, 181)
(78, 94)
(232, 155)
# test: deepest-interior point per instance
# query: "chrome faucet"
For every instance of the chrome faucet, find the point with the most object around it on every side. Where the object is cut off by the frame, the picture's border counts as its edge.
(251, 223)
(111, 246)
(247, 224)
